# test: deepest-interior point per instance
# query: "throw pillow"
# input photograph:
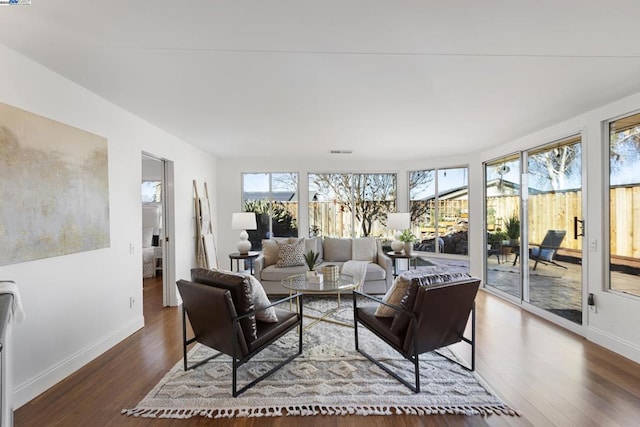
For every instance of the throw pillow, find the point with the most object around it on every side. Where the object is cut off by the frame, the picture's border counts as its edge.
(337, 249)
(261, 300)
(401, 320)
(290, 254)
(393, 296)
(270, 249)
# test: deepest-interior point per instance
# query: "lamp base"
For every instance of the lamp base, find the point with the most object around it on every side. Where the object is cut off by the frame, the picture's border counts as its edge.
(244, 246)
(397, 246)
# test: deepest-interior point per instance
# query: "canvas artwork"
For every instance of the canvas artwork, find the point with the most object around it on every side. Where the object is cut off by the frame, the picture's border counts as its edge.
(54, 188)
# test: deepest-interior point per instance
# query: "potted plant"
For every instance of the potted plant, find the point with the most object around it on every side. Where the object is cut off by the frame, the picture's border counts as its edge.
(408, 238)
(512, 227)
(311, 259)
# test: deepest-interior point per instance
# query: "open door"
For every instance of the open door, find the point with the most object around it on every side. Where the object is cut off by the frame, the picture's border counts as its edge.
(158, 255)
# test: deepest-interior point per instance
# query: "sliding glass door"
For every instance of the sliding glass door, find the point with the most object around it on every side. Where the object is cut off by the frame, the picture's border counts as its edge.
(624, 205)
(554, 228)
(502, 207)
(534, 231)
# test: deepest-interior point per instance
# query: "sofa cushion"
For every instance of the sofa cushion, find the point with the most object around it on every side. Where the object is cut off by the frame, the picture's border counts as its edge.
(374, 272)
(364, 249)
(239, 286)
(314, 244)
(401, 320)
(337, 249)
(276, 274)
(290, 254)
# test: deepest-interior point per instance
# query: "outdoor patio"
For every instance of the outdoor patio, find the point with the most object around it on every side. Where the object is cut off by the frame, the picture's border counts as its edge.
(552, 288)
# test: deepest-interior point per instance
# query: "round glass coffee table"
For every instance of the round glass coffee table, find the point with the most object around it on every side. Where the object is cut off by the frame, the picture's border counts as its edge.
(300, 283)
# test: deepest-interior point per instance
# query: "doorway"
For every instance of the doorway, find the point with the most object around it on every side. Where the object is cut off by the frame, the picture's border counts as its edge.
(553, 255)
(158, 255)
(534, 228)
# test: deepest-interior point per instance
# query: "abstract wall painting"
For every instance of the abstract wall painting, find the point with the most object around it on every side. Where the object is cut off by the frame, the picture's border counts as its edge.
(54, 188)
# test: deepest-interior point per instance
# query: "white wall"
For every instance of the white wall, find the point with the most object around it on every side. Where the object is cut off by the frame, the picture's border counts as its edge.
(77, 305)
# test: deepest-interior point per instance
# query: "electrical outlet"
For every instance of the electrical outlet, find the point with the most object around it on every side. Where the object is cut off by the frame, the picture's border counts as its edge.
(593, 309)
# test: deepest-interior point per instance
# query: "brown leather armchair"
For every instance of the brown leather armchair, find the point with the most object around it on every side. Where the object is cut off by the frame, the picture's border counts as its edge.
(429, 317)
(223, 317)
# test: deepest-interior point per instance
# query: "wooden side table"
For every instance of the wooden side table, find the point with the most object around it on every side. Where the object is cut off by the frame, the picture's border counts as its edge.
(396, 256)
(238, 256)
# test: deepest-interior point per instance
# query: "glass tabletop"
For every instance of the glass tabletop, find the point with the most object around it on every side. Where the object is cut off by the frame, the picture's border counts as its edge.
(299, 282)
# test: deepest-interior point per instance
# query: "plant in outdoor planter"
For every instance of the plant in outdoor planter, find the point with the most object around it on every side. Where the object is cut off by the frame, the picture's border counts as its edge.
(408, 238)
(311, 259)
(512, 227)
(497, 237)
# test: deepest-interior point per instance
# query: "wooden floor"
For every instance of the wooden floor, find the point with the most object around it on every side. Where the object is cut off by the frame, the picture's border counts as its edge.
(551, 376)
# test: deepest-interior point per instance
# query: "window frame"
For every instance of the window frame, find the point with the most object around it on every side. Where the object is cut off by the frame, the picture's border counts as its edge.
(436, 198)
(353, 222)
(270, 200)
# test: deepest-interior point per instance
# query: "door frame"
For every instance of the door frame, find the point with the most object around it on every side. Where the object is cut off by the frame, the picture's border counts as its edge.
(169, 293)
(580, 329)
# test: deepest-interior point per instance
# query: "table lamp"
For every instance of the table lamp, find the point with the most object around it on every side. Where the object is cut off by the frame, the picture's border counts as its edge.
(398, 221)
(244, 221)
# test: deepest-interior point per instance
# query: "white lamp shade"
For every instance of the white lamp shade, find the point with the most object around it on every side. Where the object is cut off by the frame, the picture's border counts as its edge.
(398, 221)
(244, 221)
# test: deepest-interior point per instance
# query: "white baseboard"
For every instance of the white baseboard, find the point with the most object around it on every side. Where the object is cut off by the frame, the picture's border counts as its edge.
(39, 384)
(615, 344)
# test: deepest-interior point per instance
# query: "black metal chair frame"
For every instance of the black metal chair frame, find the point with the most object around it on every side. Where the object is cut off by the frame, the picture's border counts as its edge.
(494, 251)
(237, 362)
(411, 357)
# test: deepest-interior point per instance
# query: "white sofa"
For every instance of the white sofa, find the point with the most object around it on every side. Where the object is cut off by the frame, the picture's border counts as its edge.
(336, 251)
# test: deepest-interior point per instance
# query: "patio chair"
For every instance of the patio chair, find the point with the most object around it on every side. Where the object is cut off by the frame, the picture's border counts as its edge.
(429, 317)
(221, 312)
(545, 252)
(494, 249)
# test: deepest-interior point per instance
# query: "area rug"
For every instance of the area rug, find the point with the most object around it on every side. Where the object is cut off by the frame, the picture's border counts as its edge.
(329, 378)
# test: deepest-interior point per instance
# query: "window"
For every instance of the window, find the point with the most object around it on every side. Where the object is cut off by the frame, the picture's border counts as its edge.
(151, 191)
(624, 205)
(346, 205)
(438, 202)
(274, 199)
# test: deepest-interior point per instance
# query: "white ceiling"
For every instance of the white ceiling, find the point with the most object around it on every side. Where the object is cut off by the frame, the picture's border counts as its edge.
(387, 79)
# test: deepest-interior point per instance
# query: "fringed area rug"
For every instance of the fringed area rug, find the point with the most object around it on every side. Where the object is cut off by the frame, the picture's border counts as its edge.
(329, 378)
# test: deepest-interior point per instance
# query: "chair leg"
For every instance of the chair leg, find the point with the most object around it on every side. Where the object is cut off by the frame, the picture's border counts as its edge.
(471, 342)
(186, 342)
(239, 362)
(355, 320)
(416, 368)
(415, 388)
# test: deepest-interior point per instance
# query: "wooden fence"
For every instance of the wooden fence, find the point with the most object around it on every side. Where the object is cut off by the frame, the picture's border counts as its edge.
(625, 221)
(549, 211)
(555, 211)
